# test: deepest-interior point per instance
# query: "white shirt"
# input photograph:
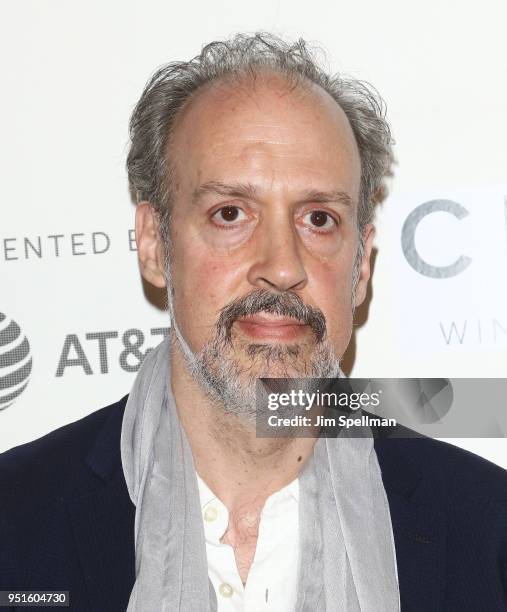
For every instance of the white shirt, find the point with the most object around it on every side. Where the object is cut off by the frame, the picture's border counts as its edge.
(272, 579)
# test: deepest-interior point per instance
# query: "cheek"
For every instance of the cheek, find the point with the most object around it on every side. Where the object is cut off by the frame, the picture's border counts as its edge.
(331, 291)
(203, 284)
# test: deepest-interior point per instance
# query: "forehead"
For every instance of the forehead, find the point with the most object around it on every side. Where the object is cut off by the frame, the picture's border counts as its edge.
(266, 132)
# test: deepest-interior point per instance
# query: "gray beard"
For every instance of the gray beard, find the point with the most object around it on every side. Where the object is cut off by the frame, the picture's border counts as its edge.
(233, 384)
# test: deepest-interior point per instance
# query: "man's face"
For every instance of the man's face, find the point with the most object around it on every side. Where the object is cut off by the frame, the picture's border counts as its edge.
(264, 229)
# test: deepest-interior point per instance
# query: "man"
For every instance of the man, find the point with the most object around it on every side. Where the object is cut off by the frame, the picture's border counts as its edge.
(255, 175)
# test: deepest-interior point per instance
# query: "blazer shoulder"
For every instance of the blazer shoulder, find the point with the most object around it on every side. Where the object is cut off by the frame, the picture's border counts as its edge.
(55, 461)
(445, 469)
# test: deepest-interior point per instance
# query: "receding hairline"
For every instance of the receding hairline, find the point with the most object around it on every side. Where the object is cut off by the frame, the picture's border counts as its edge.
(243, 83)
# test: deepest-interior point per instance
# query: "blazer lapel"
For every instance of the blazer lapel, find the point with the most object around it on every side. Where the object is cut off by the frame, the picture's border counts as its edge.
(103, 523)
(420, 553)
(419, 532)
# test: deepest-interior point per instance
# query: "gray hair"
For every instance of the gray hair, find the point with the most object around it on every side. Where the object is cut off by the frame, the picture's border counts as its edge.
(151, 176)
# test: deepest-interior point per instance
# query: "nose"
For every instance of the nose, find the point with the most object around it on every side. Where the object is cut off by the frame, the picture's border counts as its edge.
(278, 264)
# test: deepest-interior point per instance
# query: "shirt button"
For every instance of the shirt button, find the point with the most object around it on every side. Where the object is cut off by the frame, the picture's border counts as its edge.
(210, 514)
(226, 590)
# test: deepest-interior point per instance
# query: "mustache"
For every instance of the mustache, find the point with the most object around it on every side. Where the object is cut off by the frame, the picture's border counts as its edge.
(286, 304)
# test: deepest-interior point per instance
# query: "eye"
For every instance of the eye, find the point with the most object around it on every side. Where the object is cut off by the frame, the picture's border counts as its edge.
(228, 215)
(320, 219)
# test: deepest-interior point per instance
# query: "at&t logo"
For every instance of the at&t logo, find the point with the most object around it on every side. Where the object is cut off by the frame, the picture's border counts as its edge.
(15, 361)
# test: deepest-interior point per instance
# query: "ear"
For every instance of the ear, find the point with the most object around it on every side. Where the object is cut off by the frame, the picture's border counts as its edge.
(365, 265)
(150, 249)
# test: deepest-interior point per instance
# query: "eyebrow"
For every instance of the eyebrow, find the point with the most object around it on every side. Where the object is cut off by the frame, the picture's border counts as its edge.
(249, 191)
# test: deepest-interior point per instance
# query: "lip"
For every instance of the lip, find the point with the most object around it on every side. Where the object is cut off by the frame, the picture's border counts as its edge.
(272, 328)
(271, 321)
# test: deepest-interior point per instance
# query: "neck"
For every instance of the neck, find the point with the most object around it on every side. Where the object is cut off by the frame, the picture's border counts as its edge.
(236, 465)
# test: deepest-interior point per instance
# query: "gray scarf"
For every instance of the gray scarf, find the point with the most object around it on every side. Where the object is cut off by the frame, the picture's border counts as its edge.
(347, 558)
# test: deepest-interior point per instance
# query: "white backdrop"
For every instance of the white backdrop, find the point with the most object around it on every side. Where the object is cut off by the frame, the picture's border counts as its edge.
(71, 73)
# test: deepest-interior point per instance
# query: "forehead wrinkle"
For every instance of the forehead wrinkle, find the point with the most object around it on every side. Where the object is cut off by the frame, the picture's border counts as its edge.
(256, 147)
(268, 134)
(324, 190)
(234, 189)
(253, 150)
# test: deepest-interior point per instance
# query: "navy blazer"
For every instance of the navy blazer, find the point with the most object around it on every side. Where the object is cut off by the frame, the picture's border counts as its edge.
(67, 522)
